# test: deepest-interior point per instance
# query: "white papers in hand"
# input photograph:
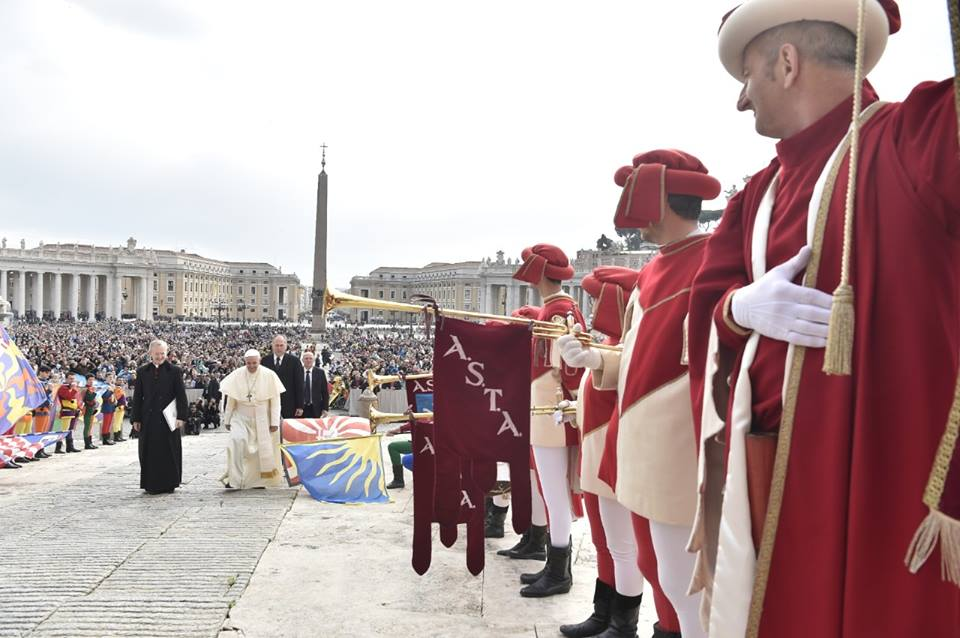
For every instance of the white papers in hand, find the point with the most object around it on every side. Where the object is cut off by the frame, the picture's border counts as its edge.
(170, 414)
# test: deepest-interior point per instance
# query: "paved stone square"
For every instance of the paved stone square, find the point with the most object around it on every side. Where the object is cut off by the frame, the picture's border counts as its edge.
(89, 554)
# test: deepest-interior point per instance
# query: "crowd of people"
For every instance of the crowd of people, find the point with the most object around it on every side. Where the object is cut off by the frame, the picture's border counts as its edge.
(105, 355)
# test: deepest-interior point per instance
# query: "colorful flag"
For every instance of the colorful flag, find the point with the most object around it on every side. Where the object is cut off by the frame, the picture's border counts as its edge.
(341, 470)
(309, 430)
(20, 389)
(419, 394)
(28, 445)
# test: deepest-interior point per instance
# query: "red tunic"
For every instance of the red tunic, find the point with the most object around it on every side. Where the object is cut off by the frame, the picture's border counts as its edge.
(863, 445)
(549, 370)
(650, 453)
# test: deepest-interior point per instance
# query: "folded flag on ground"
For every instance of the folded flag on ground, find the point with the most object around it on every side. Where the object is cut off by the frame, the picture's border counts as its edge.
(310, 430)
(348, 470)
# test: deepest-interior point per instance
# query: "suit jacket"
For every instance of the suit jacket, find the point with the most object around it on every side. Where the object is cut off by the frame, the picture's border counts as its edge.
(319, 391)
(212, 391)
(290, 372)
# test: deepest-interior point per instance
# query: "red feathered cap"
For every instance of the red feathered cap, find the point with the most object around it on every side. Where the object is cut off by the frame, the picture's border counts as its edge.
(527, 312)
(655, 175)
(543, 260)
(610, 287)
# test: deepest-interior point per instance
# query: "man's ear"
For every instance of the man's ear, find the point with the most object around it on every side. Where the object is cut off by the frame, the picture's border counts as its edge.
(789, 62)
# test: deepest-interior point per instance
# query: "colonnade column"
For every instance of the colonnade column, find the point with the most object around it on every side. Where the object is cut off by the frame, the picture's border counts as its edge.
(38, 295)
(91, 301)
(57, 301)
(73, 297)
(22, 293)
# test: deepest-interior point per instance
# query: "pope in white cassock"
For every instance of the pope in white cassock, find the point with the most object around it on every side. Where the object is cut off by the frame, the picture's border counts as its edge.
(252, 416)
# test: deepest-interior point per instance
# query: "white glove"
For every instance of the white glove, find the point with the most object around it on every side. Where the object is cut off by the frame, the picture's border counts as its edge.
(560, 417)
(777, 308)
(575, 355)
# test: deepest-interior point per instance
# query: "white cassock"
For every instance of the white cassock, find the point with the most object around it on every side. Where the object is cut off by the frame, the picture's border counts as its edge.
(253, 406)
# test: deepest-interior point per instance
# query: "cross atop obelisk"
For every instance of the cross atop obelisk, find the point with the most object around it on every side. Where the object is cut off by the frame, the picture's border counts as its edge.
(320, 247)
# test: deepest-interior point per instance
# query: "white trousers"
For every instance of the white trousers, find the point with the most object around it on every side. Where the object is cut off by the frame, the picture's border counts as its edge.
(552, 465)
(538, 509)
(675, 570)
(622, 543)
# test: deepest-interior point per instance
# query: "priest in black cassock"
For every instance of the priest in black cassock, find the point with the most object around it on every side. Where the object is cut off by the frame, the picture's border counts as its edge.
(161, 454)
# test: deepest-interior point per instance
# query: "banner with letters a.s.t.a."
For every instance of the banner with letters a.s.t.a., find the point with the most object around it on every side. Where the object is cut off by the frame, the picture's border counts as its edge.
(481, 383)
(419, 394)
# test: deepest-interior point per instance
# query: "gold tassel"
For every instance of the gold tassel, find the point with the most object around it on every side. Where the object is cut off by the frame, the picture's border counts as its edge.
(838, 357)
(937, 528)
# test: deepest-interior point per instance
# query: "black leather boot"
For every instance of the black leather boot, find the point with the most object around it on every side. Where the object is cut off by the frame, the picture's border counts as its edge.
(524, 539)
(59, 448)
(397, 481)
(659, 632)
(597, 622)
(623, 617)
(70, 446)
(495, 518)
(556, 577)
(118, 437)
(535, 547)
(105, 439)
(88, 443)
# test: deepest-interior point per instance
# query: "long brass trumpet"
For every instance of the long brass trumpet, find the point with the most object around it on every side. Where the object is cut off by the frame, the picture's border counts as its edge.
(549, 410)
(374, 380)
(333, 299)
(378, 418)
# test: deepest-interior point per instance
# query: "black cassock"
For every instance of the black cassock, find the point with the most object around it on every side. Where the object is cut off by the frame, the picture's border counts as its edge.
(161, 451)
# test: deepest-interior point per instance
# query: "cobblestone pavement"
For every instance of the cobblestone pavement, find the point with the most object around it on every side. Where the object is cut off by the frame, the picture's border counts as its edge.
(92, 555)
(89, 554)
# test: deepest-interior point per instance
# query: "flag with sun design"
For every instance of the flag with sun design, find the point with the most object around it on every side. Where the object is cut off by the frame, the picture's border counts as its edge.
(346, 470)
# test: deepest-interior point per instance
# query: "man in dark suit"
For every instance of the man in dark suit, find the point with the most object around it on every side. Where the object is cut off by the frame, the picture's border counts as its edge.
(316, 395)
(290, 371)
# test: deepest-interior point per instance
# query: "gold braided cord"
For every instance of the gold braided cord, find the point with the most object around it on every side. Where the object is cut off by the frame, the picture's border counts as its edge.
(838, 356)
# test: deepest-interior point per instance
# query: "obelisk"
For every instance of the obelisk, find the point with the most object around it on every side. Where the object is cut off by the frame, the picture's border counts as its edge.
(320, 249)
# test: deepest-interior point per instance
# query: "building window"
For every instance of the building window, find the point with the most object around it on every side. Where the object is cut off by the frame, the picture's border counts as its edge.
(169, 285)
(265, 293)
(380, 294)
(393, 294)
(466, 294)
(364, 293)
(156, 285)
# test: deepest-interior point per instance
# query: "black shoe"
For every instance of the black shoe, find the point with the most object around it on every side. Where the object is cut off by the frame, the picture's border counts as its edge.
(532, 577)
(659, 632)
(535, 547)
(59, 451)
(495, 518)
(397, 481)
(42, 454)
(623, 617)
(556, 578)
(118, 437)
(88, 443)
(13, 465)
(59, 448)
(598, 621)
(524, 539)
(106, 440)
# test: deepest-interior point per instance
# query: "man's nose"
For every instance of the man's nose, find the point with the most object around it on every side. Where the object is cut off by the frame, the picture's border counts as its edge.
(743, 102)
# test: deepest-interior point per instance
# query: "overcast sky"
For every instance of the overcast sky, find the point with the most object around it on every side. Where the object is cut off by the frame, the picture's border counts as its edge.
(455, 129)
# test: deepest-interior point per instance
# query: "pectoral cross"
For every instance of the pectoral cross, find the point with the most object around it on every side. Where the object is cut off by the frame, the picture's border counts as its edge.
(249, 396)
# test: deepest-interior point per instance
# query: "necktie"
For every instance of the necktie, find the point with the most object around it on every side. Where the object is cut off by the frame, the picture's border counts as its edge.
(308, 394)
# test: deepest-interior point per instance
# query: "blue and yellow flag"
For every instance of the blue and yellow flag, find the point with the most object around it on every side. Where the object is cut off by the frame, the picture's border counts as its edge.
(341, 470)
(20, 389)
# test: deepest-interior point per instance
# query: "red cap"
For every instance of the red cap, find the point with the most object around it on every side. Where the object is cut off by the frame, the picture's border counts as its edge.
(527, 312)
(543, 260)
(653, 177)
(610, 287)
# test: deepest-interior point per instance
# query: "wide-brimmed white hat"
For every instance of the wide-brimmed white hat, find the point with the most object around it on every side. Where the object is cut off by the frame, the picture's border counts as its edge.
(753, 17)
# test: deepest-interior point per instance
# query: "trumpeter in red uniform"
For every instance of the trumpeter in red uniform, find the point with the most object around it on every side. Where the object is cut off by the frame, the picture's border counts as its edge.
(650, 457)
(546, 267)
